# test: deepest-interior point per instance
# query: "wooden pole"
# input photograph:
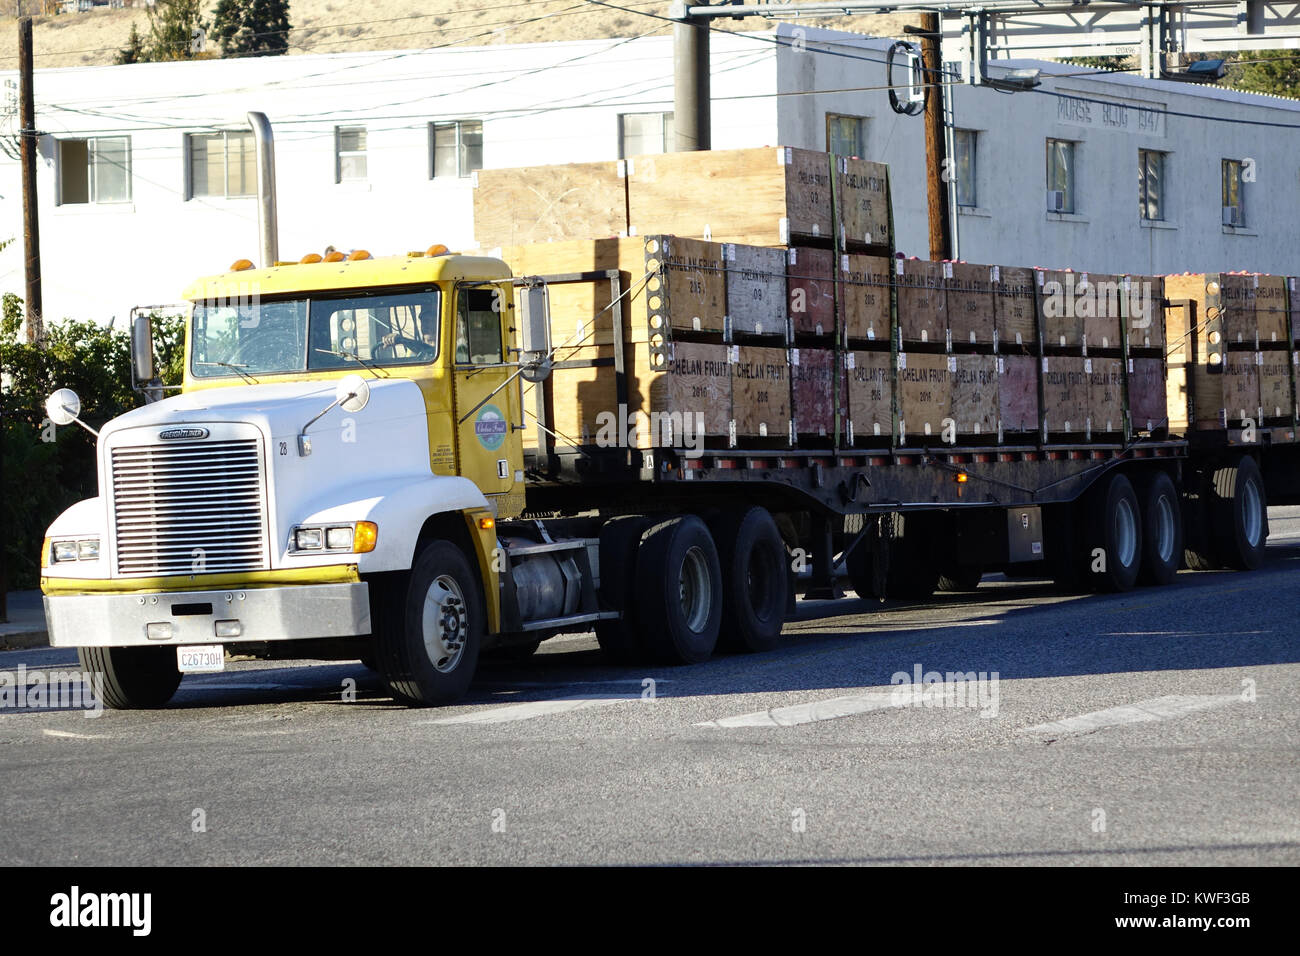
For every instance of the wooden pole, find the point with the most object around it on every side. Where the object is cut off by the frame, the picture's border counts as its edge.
(31, 224)
(936, 145)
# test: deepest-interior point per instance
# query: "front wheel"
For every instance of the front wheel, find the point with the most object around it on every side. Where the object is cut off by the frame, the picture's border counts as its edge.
(135, 678)
(427, 653)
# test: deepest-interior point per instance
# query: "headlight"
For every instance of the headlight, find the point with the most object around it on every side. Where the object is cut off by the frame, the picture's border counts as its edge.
(62, 551)
(88, 549)
(338, 539)
(307, 539)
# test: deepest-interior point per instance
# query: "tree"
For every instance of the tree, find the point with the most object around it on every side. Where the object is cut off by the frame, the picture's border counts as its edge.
(176, 31)
(1267, 71)
(252, 27)
(134, 51)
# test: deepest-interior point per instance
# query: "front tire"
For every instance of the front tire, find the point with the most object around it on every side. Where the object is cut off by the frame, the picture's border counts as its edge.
(427, 654)
(135, 678)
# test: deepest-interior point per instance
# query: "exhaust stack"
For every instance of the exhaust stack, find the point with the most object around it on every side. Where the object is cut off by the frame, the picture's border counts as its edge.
(267, 222)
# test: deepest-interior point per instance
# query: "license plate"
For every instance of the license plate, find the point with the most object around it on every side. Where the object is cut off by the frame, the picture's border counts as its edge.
(203, 659)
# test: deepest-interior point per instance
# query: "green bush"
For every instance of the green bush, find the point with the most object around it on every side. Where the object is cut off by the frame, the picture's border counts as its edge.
(47, 468)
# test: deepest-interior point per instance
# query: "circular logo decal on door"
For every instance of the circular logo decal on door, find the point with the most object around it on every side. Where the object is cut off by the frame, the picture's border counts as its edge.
(490, 427)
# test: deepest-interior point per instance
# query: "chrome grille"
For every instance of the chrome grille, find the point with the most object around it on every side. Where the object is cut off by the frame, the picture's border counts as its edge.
(188, 507)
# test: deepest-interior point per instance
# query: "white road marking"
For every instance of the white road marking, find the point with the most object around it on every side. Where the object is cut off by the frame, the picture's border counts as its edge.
(68, 733)
(1158, 708)
(831, 709)
(533, 709)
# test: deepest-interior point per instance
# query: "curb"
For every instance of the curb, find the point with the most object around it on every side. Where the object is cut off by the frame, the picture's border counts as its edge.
(24, 640)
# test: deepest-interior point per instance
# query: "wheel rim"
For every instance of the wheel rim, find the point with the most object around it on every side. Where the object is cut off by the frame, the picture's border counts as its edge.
(693, 589)
(1165, 530)
(445, 623)
(1252, 514)
(1125, 533)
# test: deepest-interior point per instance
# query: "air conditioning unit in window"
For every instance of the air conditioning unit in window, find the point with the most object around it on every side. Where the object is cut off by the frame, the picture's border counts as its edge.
(1056, 200)
(1232, 215)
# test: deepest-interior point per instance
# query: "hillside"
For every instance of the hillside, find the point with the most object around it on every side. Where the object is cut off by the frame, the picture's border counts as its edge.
(329, 26)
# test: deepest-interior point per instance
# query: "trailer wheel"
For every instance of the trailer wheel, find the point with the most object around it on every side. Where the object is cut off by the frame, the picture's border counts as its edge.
(960, 577)
(428, 653)
(1162, 530)
(1198, 542)
(135, 678)
(679, 585)
(1239, 514)
(1061, 538)
(913, 568)
(755, 580)
(620, 538)
(1112, 535)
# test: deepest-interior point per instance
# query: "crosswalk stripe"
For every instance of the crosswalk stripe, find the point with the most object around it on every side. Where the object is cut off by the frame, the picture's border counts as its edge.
(831, 709)
(535, 708)
(1144, 711)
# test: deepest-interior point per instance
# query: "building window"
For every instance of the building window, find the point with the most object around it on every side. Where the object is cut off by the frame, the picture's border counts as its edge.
(95, 170)
(963, 141)
(349, 154)
(1060, 175)
(643, 133)
(222, 164)
(846, 135)
(1234, 193)
(1151, 184)
(457, 148)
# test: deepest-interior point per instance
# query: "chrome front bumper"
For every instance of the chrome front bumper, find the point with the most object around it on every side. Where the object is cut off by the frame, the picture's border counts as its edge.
(264, 614)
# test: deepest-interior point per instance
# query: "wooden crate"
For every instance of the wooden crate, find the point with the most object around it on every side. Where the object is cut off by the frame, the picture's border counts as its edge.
(1275, 396)
(1225, 399)
(1239, 310)
(1143, 303)
(1148, 409)
(1271, 310)
(922, 303)
(871, 394)
(1101, 307)
(1014, 315)
(549, 203)
(925, 385)
(669, 284)
(1018, 393)
(755, 277)
(1058, 294)
(810, 285)
(862, 188)
(1293, 302)
(694, 386)
(813, 400)
(1065, 395)
(864, 297)
(760, 392)
(1105, 394)
(761, 196)
(975, 407)
(969, 303)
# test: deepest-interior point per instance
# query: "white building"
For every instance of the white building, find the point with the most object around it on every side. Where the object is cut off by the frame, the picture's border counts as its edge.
(146, 174)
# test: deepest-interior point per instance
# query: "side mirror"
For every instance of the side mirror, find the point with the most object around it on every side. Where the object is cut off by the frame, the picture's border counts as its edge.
(63, 407)
(352, 393)
(535, 332)
(142, 348)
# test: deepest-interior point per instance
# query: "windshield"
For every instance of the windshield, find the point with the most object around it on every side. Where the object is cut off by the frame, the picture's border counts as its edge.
(252, 337)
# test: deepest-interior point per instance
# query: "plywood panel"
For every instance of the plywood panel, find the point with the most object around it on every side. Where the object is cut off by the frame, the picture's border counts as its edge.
(756, 302)
(810, 285)
(864, 296)
(760, 392)
(975, 396)
(1013, 303)
(549, 203)
(1238, 309)
(1226, 398)
(759, 196)
(1271, 309)
(970, 304)
(1018, 393)
(1146, 394)
(863, 191)
(1144, 311)
(812, 388)
(1100, 303)
(870, 394)
(1275, 383)
(1065, 395)
(924, 392)
(1105, 394)
(922, 303)
(1058, 295)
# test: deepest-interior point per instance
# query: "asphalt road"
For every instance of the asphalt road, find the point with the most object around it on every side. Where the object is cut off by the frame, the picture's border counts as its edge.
(1156, 727)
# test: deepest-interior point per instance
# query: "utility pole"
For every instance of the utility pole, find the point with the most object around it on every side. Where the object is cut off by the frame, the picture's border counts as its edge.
(936, 144)
(691, 103)
(31, 224)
